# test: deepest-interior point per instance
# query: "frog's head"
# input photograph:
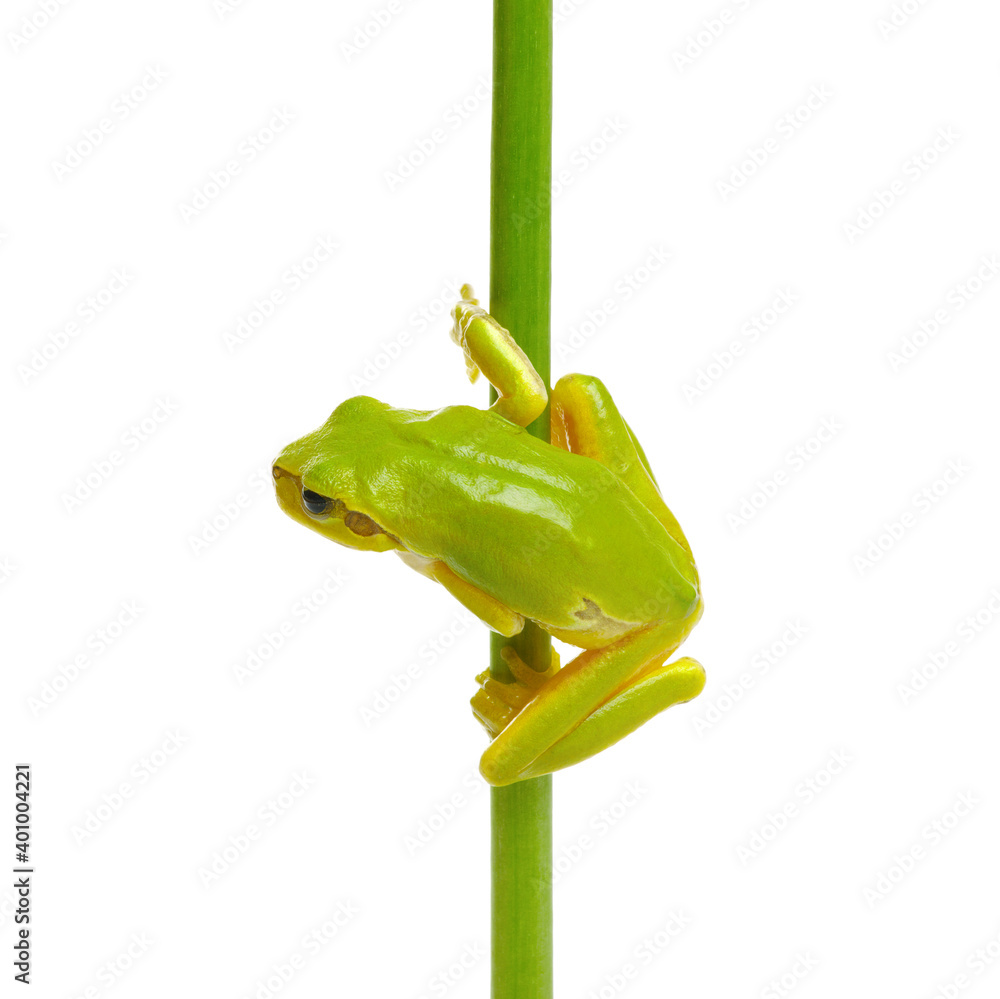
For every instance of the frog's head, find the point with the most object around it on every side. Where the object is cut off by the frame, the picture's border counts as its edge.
(316, 478)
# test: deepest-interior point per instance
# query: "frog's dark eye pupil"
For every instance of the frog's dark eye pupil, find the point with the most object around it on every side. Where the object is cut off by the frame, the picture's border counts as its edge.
(314, 503)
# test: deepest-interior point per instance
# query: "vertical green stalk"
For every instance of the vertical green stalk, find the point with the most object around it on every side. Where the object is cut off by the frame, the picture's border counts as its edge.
(520, 290)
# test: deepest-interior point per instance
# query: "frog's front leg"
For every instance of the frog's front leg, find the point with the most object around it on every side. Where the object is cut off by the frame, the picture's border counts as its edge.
(487, 608)
(491, 349)
(597, 699)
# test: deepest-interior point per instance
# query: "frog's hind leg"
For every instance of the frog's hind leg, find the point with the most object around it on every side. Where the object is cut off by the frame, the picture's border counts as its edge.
(585, 420)
(594, 701)
(655, 690)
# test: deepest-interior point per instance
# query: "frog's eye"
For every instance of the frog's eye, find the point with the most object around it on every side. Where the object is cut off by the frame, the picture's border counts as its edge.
(314, 504)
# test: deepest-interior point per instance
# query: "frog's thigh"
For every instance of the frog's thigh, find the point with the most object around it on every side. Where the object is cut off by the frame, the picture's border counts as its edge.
(491, 349)
(654, 691)
(585, 420)
(572, 695)
(488, 609)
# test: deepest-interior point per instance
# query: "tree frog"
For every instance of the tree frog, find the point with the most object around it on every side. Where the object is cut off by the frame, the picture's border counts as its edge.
(573, 535)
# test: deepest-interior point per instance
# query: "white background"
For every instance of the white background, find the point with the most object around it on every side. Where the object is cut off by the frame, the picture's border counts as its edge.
(697, 833)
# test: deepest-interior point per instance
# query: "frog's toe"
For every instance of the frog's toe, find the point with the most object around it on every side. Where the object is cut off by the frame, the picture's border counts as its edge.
(524, 674)
(492, 715)
(515, 695)
(496, 703)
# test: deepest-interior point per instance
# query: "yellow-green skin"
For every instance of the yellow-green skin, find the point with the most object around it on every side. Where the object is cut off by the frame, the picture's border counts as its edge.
(571, 535)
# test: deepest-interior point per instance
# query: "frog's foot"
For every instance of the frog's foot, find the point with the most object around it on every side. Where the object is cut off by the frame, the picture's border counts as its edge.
(496, 703)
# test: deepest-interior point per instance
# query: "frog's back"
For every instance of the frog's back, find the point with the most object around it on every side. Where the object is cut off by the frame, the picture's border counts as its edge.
(527, 521)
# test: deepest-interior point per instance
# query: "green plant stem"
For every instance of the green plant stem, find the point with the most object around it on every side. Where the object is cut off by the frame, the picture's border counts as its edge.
(520, 291)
